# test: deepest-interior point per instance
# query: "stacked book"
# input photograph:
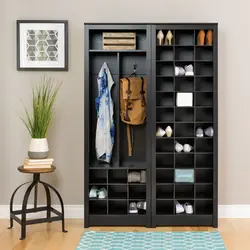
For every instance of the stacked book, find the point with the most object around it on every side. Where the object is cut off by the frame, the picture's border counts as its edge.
(38, 163)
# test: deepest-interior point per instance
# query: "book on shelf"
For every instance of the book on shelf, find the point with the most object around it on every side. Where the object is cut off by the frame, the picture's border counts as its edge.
(36, 166)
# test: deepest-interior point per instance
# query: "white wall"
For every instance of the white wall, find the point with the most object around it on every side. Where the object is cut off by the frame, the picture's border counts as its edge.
(66, 135)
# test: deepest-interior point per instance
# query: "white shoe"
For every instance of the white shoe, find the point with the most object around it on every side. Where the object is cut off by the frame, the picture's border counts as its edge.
(178, 147)
(187, 148)
(189, 70)
(188, 208)
(160, 132)
(179, 71)
(179, 208)
(168, 131)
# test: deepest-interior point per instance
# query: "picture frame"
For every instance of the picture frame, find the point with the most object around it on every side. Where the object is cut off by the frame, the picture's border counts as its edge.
(42, 45)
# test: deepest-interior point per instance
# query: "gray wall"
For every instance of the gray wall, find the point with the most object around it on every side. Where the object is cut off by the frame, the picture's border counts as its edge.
(66, 135)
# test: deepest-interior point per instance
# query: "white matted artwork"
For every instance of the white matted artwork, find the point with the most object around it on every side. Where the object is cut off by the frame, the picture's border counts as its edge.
(42, 45)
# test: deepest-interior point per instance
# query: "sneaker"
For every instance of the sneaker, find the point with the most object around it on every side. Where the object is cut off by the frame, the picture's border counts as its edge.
(169, 131)
(102, 193)
(178, 147)
(133, 208)
(199, 132)
(143, 176)
(93, 193)
(187, 148)
(142, 205)
(179, 208)
(188, 208)
(189, 70)
(179, 71)
(209, 132)
(134, 177)
(160, 132)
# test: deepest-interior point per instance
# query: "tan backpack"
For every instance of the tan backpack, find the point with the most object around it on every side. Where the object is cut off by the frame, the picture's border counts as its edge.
(132, 104)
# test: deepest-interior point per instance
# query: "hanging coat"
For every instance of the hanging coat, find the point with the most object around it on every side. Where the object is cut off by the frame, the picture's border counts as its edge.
(105, 129)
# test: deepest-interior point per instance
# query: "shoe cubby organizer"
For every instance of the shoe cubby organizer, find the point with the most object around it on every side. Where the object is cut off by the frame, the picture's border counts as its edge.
(156, 155)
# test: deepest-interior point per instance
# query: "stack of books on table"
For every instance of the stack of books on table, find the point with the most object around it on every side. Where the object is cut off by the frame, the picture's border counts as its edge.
(38, 163)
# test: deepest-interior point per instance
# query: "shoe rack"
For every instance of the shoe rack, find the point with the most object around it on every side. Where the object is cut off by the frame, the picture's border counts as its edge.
(156, 156)
(185, 49)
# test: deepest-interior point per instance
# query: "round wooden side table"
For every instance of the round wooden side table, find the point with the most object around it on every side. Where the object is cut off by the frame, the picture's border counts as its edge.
(48, 208)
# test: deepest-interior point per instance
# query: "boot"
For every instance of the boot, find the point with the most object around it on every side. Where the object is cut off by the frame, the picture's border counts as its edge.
(201, 37)
(209, 38)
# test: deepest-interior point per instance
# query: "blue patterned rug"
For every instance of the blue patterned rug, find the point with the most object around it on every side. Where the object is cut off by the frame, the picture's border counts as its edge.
(151, 240)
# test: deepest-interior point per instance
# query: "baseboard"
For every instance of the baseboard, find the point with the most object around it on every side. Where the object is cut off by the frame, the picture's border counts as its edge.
(77, 211)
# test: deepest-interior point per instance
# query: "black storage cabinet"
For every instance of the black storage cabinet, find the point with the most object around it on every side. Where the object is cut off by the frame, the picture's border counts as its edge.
(155, 155)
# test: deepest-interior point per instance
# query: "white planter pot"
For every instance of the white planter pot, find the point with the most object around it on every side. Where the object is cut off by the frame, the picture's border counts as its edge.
(38, 148)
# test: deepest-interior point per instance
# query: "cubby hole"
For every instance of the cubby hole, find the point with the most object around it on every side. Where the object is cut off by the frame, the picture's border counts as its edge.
(184, 161)
(183, 141)
(184, 114)
(165, 145)
(164, 207)
(165, 115)
(204, 84)
(164, 54)
(98, 176)
(117, 176)
(184, 191)
(164, 69)
(184, 37)
(184, 130)
(204, 175)
(204, 191)
(184, 54)
(117, 191)
(204, 99)
(96, 41)
(137, 191)
(164, 99)
(165, 161)
(164, 126)
(204, 68)
(164, 191)
(184, 84)
(127, 61)
(98, 207)
(204, 53)
(204, 114)
(182, 202)
(164, 175)
(165, 84)
(204, 145)
(204, 161)
(117, 207)
(204, 207)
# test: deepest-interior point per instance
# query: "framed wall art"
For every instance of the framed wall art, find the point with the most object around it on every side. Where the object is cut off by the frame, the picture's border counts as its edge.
(42, 45)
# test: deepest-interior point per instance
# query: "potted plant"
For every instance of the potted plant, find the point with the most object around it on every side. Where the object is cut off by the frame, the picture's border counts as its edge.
(38, 118)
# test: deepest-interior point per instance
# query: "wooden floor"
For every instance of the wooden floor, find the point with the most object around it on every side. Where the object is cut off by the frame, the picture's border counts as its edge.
(235, 233)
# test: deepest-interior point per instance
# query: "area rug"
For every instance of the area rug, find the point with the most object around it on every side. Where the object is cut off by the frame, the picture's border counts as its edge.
(151, 240)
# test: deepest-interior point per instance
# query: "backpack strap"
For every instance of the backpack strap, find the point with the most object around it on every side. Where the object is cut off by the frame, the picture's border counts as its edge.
(142, 92)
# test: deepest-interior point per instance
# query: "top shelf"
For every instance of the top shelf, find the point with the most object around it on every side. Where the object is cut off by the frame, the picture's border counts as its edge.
(176, 45)
(116, 51)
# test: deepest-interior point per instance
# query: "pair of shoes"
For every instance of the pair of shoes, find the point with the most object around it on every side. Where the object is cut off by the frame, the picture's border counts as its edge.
(137, 176)
(187, 208)
(208, 132)
(186, 147)
(168, 39)
(98, 193)
(133, 207)
(188, 70)
(201, 37)
(161, 132)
